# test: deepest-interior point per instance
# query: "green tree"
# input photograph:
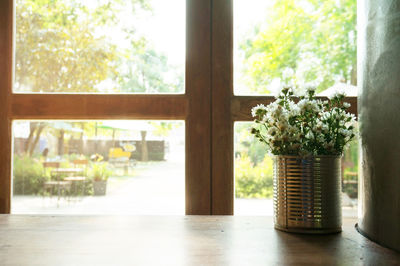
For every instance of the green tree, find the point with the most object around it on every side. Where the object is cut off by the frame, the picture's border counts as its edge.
(57, 48)
(145, 71)
(69, 46)
(314, 38)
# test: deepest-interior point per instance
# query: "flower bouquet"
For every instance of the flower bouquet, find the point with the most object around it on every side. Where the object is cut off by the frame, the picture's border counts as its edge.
(309, 127)
(307, 138)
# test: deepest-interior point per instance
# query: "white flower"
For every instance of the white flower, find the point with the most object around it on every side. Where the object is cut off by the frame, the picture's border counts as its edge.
(302, 104)
(307, 105)
(351, 116)
(346, 105)
(260, 108)
(325, 115)
(345, 132)
(314, 106)
(287, 73)
(269, 119)
(294, 109)
(287, 121)
(337, 95)
(309, 135)
(318, 126)
(312, 84)
(277, 112)
(264, 119)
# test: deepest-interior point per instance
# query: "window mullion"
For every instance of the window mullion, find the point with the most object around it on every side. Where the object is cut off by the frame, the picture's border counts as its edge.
(6, 30)
(198, 122)
(222, 92)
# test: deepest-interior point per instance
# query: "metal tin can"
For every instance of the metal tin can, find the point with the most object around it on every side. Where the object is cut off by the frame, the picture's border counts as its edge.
(307, 194)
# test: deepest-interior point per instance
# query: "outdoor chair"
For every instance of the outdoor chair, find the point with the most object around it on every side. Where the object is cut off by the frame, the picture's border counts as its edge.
(78, 180)
(60, 186)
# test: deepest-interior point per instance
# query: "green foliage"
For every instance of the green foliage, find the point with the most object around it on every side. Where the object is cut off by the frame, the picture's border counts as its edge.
(65, 46)
(253, 181)
(350, 175)
(144, 71)
(29, 176)
(163, 129)
(315, 38)
(249, 145)
(57, 49)
(99, 171)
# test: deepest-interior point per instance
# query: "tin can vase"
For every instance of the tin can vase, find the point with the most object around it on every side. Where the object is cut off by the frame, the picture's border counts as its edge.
(307, 194)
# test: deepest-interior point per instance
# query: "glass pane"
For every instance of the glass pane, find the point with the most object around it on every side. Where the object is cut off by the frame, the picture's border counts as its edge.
(296, 42)
(254, 175)
(98, 167)
(100, 46)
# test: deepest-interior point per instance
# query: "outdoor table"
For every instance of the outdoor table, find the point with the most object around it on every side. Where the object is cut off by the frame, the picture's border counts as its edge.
(59, 185)
(70, 178)
(67, 171)
(75, 180)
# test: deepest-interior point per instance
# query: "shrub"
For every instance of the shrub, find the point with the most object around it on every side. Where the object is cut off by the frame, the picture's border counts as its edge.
(99, 171)
(253, 181)
(29, 176)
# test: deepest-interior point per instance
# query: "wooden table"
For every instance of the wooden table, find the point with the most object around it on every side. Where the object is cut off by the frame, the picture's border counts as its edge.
(66, 171)
(77, 182)
(66, 182)
(177, 240)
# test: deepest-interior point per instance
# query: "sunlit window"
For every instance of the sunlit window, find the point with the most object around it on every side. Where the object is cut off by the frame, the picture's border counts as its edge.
(100, 46)
(294, 42)
(98, 167)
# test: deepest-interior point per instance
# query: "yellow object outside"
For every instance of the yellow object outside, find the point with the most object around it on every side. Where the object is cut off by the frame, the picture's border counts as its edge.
(118, 153)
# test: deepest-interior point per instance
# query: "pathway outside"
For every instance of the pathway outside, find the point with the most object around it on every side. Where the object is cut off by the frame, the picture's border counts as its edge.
(156, 188)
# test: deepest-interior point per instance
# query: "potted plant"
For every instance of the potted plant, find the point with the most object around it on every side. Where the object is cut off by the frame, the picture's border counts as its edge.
(307, 139)
(100, 174)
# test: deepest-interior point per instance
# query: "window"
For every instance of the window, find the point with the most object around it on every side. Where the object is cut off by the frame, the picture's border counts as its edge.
(99, 46)
(208, 106)
(295, 43)
(98, 167)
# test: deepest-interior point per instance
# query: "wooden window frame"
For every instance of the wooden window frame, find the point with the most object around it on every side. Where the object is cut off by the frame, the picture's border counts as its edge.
(228, 108)
(208, 107)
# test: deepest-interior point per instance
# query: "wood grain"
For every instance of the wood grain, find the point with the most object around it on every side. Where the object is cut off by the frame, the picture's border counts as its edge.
(198, 122)
(222, 123)
(179, 240)
(6, 26)
(86, 106)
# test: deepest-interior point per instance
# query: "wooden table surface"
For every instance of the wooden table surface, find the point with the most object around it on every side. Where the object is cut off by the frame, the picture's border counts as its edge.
(177, 240)
(66, 170)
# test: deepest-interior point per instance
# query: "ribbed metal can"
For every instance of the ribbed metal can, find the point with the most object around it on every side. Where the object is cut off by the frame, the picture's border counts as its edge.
(307, 194)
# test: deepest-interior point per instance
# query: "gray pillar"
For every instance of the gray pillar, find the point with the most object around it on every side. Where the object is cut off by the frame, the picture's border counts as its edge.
(379, 116)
